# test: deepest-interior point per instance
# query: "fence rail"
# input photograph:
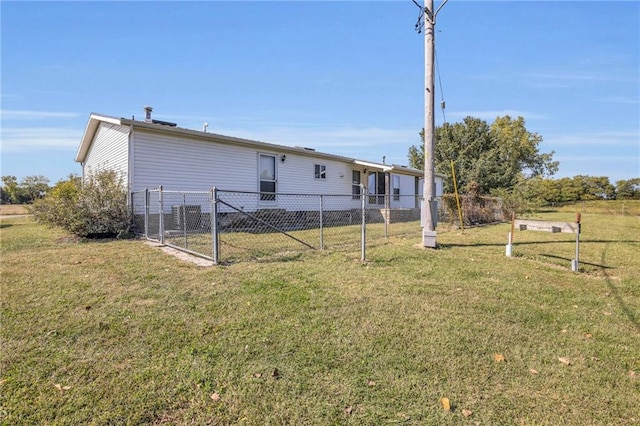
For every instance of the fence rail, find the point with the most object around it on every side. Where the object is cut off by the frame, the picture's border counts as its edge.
(228, 226)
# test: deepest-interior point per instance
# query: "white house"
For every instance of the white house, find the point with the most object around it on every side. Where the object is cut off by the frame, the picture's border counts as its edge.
(150, 153)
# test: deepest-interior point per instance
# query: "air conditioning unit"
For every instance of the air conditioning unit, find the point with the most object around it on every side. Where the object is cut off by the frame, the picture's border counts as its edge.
(187, 217)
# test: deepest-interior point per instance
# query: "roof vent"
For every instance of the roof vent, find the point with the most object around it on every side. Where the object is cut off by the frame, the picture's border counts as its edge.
(147, 114)
(148, 119)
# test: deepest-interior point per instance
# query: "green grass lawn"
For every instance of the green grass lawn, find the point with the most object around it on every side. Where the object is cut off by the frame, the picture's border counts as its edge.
(118, 332)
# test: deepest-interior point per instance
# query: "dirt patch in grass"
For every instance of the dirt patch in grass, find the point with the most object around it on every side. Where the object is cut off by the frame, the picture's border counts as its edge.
(184, 256)
(13, 209)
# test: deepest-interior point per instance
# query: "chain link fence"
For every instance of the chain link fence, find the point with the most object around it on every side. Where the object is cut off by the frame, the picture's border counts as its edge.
(229, 226)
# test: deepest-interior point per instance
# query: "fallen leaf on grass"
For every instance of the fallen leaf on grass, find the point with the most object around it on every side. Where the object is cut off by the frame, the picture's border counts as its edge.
(215, 396)
(257, 375)
(588, 335)
(632, 374)
(348, 410)
(445, 404)
(607, 313)
(565, 361)
(371, 383)
(498, 357)
(3, 381)
(467, 413)
(533, 371)
(61, 388)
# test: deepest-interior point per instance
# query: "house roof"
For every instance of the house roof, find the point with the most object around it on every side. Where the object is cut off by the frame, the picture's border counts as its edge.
(96, 119)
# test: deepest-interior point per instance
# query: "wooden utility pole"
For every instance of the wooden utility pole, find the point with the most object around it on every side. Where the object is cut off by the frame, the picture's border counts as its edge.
(429, 219)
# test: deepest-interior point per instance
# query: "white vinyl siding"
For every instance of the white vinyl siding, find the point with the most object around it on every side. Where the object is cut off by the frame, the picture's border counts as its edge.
(191, 164)
(109, 150)
(297, 176)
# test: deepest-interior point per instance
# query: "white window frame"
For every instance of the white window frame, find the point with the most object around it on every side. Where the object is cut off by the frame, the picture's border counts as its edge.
(320, 171)
(395, 184)
(265, 198)
(356, 190)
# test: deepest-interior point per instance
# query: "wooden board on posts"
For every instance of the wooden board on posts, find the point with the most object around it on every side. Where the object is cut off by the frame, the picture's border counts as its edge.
(554, 227)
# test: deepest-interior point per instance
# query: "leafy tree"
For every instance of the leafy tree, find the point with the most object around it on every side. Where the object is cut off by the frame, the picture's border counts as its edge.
(34, 187)
(594, 188)
(495, 156)
(11, 189)
(628, 189)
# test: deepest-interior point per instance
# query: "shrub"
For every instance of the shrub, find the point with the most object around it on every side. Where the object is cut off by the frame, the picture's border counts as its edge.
(96, 208)
(476, 210)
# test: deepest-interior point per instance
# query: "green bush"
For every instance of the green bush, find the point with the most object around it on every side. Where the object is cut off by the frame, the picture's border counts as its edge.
(95, 208)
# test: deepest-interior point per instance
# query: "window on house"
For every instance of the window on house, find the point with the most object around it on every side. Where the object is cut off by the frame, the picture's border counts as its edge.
(267, 177)
(376, 188)
(355, 184)
(320, 171)
(396, 187)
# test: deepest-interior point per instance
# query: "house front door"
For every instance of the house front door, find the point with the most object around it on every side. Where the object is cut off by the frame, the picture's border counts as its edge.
(267, 177)
(376, 188)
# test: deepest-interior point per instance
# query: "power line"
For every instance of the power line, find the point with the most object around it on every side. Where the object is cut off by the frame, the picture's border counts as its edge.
(442, 103)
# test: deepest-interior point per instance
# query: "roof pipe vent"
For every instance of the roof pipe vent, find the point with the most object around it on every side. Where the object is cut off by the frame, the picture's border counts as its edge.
(147, 112)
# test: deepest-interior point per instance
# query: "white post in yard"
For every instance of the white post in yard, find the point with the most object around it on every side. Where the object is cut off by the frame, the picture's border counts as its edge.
(510, 243)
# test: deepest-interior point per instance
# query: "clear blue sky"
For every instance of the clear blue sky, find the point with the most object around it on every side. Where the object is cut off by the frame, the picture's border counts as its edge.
(343, 77)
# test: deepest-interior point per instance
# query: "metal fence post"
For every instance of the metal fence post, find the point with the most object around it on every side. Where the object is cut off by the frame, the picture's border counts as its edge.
(146, 213)
(161, 215)
(321, 223)
(183, 215)
(575, 265)
(387, 215)
(215, 242)
(363, 237)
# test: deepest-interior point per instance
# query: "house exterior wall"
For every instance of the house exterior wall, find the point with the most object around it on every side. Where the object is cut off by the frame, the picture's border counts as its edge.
(179, 163)
(109, 150)
(148, 157)
(407, 192)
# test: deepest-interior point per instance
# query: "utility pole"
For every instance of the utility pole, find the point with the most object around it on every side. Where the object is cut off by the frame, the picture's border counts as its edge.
(429, 217)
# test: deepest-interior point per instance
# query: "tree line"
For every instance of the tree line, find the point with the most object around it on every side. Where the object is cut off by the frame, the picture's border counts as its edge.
(26, 191)
(503, 159)
(500, 159)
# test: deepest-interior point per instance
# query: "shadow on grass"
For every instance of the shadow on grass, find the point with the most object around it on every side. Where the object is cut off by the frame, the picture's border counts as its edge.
(631, 315)
(5, 225)
(523, 243)
(553, 256)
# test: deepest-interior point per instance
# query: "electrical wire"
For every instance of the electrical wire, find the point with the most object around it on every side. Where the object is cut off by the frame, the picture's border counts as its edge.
(442, 103)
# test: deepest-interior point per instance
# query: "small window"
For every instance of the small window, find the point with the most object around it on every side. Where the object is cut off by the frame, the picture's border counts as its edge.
(320, 171)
